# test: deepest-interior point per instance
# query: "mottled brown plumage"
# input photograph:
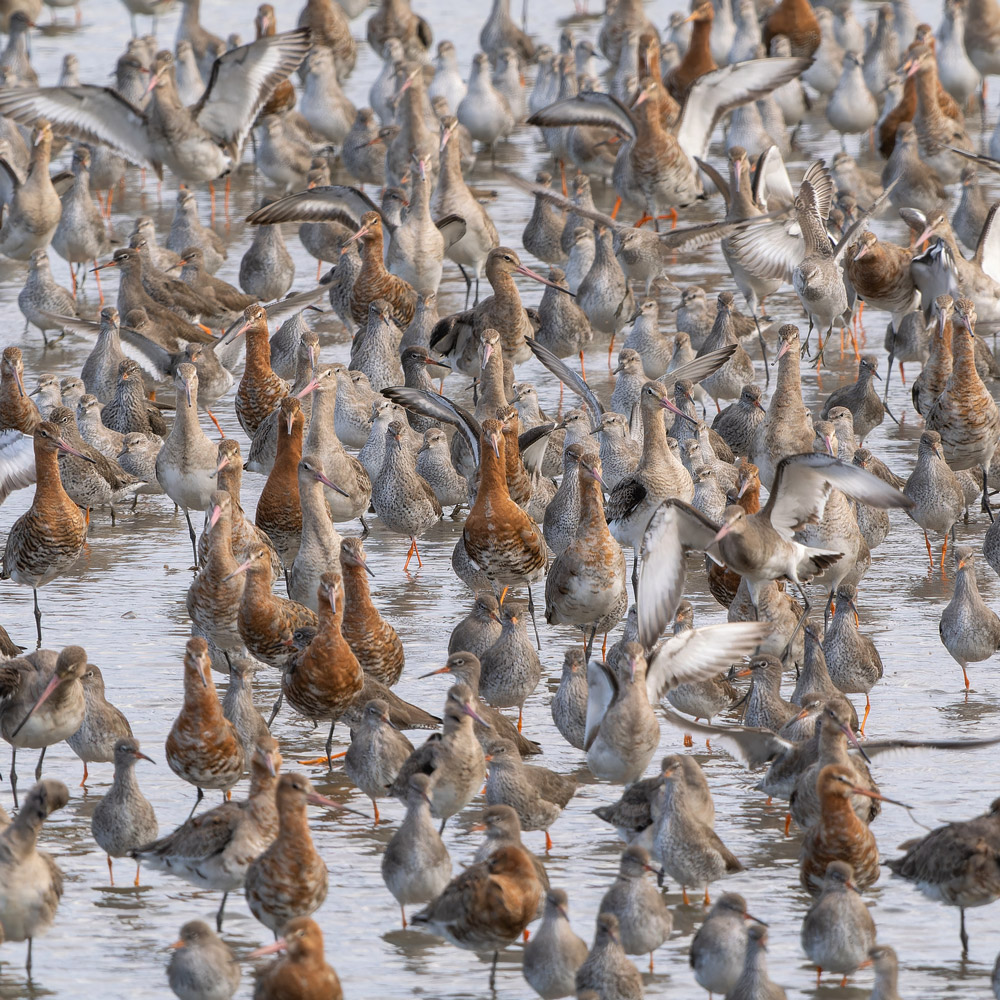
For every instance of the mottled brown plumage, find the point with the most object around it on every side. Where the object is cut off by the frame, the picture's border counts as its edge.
(17, 409)
(303, 973)
(373, 640)
(278, 513)
(203, 747)
(375, 282)
(260, 390)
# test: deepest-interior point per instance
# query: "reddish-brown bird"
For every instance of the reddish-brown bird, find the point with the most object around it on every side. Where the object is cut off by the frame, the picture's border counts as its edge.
(260, 390)
(267, 622)
(278, 513)
(499, 537)
(374, 281)
(839, 835)
(697, 59)
(373, 640)
(796, 20)
(203, 746)
(488, 906)
(17, 409)
(289, 879)
(322, 681)
(303, 972)
(49, 537)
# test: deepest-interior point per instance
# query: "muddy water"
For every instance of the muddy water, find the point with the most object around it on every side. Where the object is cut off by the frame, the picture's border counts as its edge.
(124, 601)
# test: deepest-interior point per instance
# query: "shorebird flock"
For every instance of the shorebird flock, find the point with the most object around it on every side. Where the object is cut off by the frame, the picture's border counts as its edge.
(642, 502)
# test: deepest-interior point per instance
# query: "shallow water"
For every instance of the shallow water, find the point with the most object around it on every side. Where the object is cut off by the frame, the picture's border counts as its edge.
(124, 602)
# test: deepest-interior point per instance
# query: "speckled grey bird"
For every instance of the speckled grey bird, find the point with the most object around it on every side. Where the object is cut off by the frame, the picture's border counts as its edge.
(319, 540)
(511, 668)
(466, 668)
(565, 327)
(137, 452)
(861, 398)
(644, 922)
(754, 982)
(554, 952)
(838, 931)
(31, 883)
(239, 708)
(41, 298)
(687, 847)
(814, 683)
(938, 499)
(425, 318)
(377, 752)
(562, 515)
(103, 724)
(619, 451)
(765, 708)
(202, 966)
(90, 479)
(267, 269)
(100, 370)
(186, 231)
(416, 865)
(376, 348)
(129, 410)
(719, 945)
(644, 336)
(607, 971)
(434, 465)
(604, 294)
(81, 236)
(969, 629)
(454, 758)
(404, 502)
(739, 422)
(728, 381)
(569, 704)
(479, 629)
(418, 365)
(124, 819)
(187, 464)
(537, 794)
(851, 658)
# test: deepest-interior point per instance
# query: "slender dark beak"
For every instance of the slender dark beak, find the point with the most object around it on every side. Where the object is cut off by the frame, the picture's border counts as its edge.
(64, 445)
(42, 698)
(333, 486)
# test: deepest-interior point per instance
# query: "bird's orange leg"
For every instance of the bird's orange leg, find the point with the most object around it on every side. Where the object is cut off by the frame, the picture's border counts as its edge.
(503, 594)
(930, 554)
(548, 842)
(902, 374)
(520, 719)
(136, 883)
(944, 551)
(688, 741)
(97, 276)
(614, 211)
(684, 896)
(222, 433)
(651, 963)
(83, 782)
(611, 348)
(644, 218)
(402, 913)
(316, 761)
(111, 874)
(788, 823)
(868, 708)
(375, 807)
(672, 216)
(562, 179)
(409, 555)
(583, 370)
(72, 274)
(707, 901)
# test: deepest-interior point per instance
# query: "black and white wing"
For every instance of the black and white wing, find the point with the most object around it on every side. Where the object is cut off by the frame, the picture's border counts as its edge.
(243, 79)
(696, 654)
(87, 114)
(988, 248)
(602, 690)
(430, 404)
(17, 462)
(751, 745)
(802, 484)
(327, 203)
(569, 378)
(675, 529)
(772, 187)
(715, 93)
(587, 108)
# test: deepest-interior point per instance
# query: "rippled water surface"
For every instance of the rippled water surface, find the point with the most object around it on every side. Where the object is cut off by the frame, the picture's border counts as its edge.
(124, 602)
